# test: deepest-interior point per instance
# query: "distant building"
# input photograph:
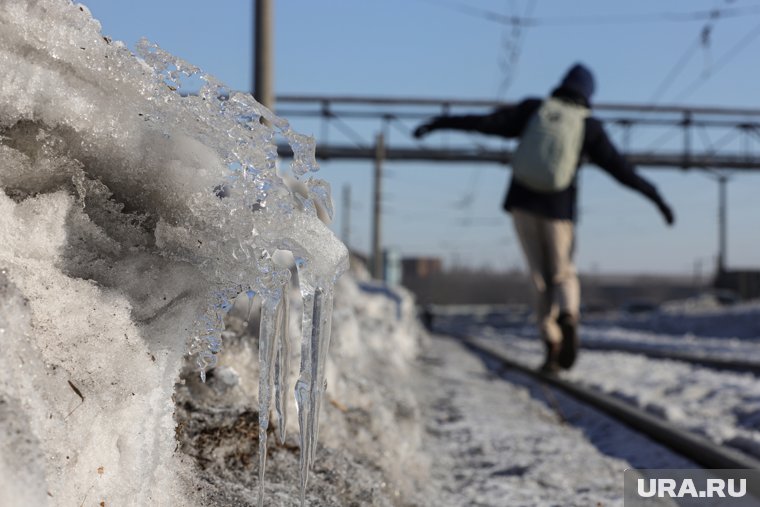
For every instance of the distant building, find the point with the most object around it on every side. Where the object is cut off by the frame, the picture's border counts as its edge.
(745, 283)
(391, 266)
(417, 268)
(392, 271)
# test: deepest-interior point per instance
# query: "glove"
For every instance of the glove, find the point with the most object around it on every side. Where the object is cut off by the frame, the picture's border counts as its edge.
(424, 129)
(667, 213)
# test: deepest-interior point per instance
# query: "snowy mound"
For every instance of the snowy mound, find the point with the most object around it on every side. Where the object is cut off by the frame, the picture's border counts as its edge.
(131, 214)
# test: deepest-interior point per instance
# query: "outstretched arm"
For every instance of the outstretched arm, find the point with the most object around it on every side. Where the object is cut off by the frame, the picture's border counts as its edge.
(602, 153)
(505, 122)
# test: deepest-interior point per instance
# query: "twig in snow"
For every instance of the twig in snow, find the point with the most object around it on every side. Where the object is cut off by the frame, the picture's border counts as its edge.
(554, 403)
(76, 390)
(78, 393)
(340, 406)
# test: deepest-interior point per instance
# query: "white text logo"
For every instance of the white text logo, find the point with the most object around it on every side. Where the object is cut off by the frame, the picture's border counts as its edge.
(715, 488)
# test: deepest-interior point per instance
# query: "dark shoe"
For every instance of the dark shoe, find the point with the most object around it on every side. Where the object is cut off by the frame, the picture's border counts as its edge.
(569, 349)
(551, 364)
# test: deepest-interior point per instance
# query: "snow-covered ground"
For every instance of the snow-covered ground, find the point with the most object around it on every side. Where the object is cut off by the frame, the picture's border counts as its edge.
(501, 439)
(723, 406)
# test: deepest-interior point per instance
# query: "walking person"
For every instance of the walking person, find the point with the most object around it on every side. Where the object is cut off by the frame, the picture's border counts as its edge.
(555, 134)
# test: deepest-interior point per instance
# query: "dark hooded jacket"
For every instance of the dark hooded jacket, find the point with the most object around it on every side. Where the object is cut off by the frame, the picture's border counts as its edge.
(511, 121)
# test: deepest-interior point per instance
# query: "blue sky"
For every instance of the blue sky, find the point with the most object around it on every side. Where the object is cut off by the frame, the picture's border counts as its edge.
(426, 48)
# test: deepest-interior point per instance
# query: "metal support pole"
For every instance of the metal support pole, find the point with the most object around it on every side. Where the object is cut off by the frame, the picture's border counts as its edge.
(722, 223)
(686, 123)
(626, 136)
(346, 233)
(263, 50)
(377, 249)
(747, 141)
(325, 123)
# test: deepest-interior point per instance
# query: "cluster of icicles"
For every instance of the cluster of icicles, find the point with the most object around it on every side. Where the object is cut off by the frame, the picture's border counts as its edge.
(274, 351)
(274, 355)
(274, 359)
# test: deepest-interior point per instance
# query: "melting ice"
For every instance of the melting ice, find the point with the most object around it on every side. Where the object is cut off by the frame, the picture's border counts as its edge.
(129, 208)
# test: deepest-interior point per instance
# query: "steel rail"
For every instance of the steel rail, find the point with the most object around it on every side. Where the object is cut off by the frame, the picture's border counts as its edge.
(694, 447)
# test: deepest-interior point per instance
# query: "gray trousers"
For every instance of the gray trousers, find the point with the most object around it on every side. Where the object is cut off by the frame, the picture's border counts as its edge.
(548, 247)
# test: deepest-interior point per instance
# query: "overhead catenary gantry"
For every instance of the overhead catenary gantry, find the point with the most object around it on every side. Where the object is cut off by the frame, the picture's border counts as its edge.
(707, 140)
(716, 140)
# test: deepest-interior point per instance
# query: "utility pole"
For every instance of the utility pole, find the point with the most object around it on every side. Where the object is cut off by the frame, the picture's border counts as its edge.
(686, 124)
(722, 223)
(263, 51)
(377, 253)
(346, 222)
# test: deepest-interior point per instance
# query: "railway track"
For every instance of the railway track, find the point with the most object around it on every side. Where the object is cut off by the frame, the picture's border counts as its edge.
(694, 447)
(715, 363)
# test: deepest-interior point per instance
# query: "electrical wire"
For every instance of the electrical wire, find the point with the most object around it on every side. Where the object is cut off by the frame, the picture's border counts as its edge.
(660, 141)
(754, 129)
(348, 131)
(652, 17)
(675, 71)
(513, 39)
(669, 134)
(466, 201)
(481, 221)
(720, 64)
(705, 137)
(403, 128)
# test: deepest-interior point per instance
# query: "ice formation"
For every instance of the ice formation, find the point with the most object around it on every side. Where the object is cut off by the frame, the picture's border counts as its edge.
(129, 208)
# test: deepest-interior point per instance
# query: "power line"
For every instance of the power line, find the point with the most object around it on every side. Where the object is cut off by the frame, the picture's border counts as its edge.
(348, 131)
(468, 197)
(721, 142)
(675, 71)
(722, 62)
(652, 17)
(703, 39)
(513, 39)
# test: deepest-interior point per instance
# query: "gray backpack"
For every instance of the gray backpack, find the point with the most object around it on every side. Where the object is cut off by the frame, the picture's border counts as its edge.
(547, 156)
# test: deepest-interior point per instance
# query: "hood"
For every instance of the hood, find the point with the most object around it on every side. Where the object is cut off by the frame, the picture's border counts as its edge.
(580, 80)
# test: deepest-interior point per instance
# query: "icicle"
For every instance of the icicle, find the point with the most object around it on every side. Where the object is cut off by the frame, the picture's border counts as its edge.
(323, 326)
(282, 362)
(208, 340)
(303, 384)
(270, 309)
(314, 392)
(315, 340)
(250, 294)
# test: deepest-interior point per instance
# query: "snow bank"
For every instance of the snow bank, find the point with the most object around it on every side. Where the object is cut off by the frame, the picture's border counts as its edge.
(131, 215)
